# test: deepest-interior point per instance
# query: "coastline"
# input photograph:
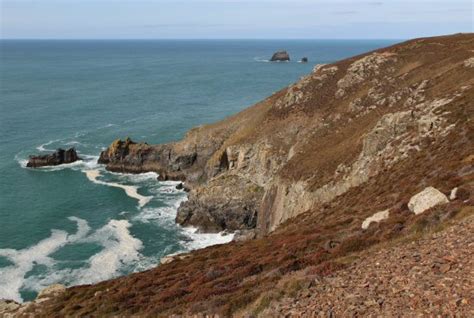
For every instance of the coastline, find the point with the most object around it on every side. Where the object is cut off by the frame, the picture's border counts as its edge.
(92, 171)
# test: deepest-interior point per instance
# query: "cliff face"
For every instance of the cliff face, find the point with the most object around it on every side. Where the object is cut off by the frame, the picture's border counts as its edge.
(359, 155)
(311, 142)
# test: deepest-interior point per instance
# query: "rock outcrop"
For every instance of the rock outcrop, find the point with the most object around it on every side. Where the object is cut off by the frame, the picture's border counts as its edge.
(280, 56)
(59, 157)
(304, 60)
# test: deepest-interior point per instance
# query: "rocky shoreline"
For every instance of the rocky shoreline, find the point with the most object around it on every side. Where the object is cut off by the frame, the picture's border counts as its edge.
(354, 173)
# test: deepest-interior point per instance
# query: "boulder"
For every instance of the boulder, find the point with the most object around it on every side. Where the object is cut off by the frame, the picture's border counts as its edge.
(304, 60)
(426, 199)
(58, 157)
(280, 56)
(377, 217)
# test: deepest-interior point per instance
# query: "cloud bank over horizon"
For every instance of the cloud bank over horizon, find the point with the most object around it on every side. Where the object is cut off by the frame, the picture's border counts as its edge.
(232, 19)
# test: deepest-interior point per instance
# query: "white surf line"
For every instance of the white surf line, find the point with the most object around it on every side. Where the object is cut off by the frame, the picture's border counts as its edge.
(42, 146)
(12, 277)
(131, 191)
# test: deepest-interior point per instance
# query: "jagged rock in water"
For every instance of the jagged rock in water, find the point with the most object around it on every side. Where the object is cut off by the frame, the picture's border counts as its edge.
(426, 199)
(304, 60)
(280, 56)
(58, 157)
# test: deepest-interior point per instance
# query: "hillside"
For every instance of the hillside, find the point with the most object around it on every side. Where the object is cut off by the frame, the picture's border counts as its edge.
(300, 172)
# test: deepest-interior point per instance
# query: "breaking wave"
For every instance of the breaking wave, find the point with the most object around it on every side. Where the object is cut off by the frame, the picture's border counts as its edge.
(120, 249)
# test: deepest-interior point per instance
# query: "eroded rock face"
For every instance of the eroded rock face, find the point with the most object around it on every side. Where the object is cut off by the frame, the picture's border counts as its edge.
(362, 69)
(426, 199)
(216, 207)
(58, 157)
(280, 56)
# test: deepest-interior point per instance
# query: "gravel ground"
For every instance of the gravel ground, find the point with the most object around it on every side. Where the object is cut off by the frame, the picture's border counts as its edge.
(433, 276)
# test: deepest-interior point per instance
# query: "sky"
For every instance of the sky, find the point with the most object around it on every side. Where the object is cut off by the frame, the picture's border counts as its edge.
(233, 19)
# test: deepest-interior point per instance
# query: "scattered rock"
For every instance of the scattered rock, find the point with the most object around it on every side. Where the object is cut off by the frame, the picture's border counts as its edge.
(377, 217)
(469, 62)
(453, 194)
(413, 278)
(280, 56)
(58, 157)
(426, 199)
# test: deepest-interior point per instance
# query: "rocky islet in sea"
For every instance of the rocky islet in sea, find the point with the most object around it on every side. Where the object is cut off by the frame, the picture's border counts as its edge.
(58, 157)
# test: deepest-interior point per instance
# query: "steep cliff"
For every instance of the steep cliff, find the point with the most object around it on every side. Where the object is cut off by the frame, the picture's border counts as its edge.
(369, 154)
(311, 142)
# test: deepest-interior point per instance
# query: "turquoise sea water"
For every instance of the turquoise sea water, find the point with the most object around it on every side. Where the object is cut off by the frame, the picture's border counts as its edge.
(77, 224)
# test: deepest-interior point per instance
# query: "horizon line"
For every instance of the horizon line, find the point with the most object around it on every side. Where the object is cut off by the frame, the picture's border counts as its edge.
(204, 39)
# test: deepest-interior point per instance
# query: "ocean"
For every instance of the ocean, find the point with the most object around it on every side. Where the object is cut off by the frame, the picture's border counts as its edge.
(78, 223)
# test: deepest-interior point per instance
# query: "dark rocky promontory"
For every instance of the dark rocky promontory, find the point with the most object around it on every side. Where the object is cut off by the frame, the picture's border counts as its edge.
(58, 157)
(280, 56)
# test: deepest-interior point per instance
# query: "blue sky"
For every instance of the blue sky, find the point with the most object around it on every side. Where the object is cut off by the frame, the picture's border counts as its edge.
(204, 19)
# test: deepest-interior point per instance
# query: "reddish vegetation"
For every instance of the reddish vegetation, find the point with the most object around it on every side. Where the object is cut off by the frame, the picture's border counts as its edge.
(233, 278)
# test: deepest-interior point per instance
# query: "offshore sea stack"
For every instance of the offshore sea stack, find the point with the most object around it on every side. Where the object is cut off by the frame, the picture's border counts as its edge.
(58, 157)
(280, 56)
(372, 151)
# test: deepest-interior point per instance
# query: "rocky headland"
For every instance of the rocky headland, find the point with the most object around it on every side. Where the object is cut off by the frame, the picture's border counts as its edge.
(370, 153)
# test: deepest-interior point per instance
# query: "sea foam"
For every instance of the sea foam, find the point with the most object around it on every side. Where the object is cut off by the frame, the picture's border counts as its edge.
(120, 249)
(12, 277)
(131, 191)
